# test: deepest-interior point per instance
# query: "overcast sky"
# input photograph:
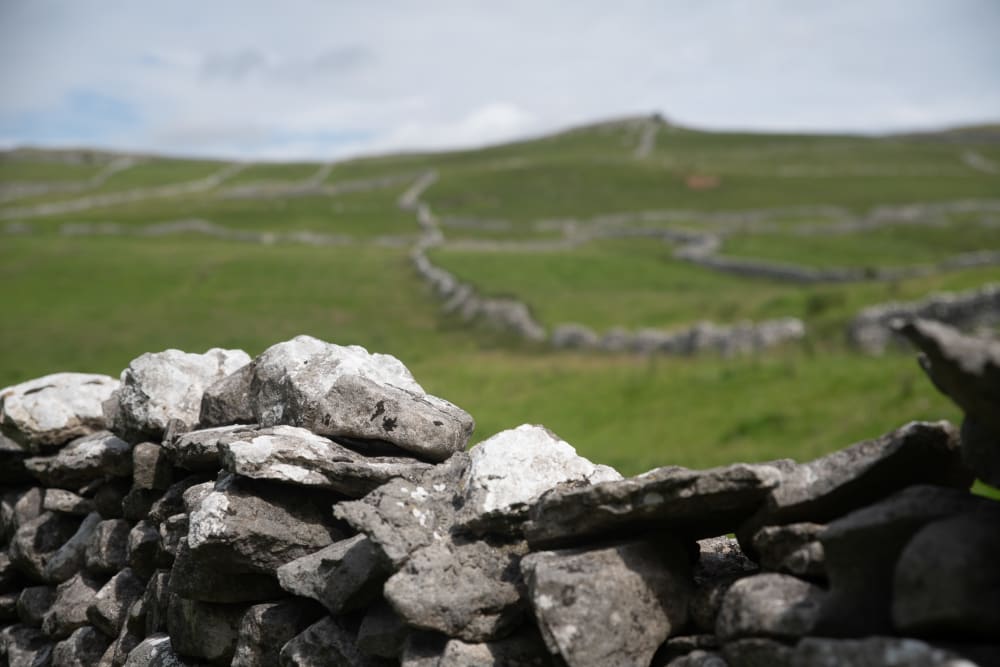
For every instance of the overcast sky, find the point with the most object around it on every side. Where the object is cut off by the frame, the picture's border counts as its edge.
(324, 79)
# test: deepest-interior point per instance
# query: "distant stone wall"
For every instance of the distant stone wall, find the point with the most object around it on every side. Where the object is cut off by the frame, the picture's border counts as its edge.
(314, 506)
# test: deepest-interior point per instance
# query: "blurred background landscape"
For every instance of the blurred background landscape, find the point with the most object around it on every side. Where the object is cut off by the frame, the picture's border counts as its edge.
(651, 228)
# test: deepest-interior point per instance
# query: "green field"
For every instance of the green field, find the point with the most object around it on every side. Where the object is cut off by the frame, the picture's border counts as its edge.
(92, 303)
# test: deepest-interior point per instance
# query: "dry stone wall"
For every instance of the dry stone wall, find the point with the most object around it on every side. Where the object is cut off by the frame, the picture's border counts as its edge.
(315, 506)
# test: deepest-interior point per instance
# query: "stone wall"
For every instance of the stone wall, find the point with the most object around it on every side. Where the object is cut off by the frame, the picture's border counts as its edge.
(314, 506)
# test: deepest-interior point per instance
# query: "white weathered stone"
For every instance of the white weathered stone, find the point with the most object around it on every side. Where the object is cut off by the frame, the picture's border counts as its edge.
(54, 409)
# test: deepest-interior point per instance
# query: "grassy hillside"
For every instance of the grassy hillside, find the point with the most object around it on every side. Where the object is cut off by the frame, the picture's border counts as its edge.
(529, 219)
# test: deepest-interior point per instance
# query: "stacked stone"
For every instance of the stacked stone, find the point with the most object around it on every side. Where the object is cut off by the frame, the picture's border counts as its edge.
(314, 506)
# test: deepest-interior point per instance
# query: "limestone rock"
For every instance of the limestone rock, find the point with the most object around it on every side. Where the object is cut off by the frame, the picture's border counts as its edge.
(83, 648)
(402, 516)
(682, 645)
(172, 531)
(227, 401)
(325, 642)
(192, 578)
(757, 652)
(69, 610)
(512, 469)
(67, 502)
(52, 410)
(38, 540)
(469, 590)
(345, 391)
(792, 549)
(382, 632)
(524, 649)
(71, 556)
(109, 607)
(343, 576)
(203, 630)
(265, 628)
(121, 649)
(199, 450)
(100, 455)
(159, 387)
(173, 502)
(769, 605)
(297, 456)
(107, 551)
(150, 467)
(25, 647)
(873, 652)
(155, 651)
(720, 563)
(156, 602)
(697, 503)
(33, 603)
(142, 548)
(699, 658)
(946, 581)
(609, 606)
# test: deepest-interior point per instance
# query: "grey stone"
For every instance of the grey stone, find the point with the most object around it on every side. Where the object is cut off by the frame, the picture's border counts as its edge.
(203, 630)
(172, 531)
(227, 401)
(25, 647)
(682, 645)
(121, 648)
(265, 628)
(109, 607)
(192, 577)
(155, 651)
(792, 549)
(720, 563)
(83, 648)
(573, 336)
(325, 642)
(138, 503)
(8, 607)
(343, 576)
(967, 370)
(10, 578)
(697, 503)
(71, 556)
(382, 632)
(96, 456)
(107, 551)
(769, 605)
(873, 652)
(12, 456)
(69, 610)
(946, 581)
(108, 498)
(156, 602)
(172, 501)
(524, 649)
(512, 469)
(757, 652)
(469, 590)
(345, 391)
(159, 387)
(33, 603)
(609, 606)
(401, 516)
(141, 552)
(38, 540)
(52, 410)
(862, 548)
(296, 456)
(838, 483)
(699, 658)
(151, 468)
(198, 450)
(67, 502)
(28, 505)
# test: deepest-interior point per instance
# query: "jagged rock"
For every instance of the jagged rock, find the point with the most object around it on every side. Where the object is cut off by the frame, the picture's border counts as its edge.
(265, 628)
(573, 336)
(757, 652)
(325, 642)
(861, 550)
(96, 456)
(142, 548)
(121, 649)
(108, 610)
(227, 401)
(512, 469)
(27, 506)
(173, 499)
(25, 647)
(83, 648)
(138, 503)
(155, 651)
(71, 556)
(297, 456)
(947, 583)
(967, 370)
(198, 450)
(67, 502)
(38, 540)
(470, 590)
(524, 649)
(873, 652)
(697, 503)
(150, 467)
(609, 606)
(769, 605)
(792, 549)
(699, 658)
(156, 602)
(720, 563)
(52, 410)
(107, 551)
(192, 578)
(677, 647)
(172, 531)
(382, 632)
(69, 610)
(204, 630)
(342, 576)
(158, 387)
(835, 484)
(345, 391)
(248, 532)
(33, 603)
(402, 516)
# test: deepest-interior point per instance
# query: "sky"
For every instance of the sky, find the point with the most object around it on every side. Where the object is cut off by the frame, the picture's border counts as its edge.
(280, 80)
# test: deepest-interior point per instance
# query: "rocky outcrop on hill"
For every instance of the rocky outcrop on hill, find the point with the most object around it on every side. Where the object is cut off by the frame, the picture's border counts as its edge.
(314, 506)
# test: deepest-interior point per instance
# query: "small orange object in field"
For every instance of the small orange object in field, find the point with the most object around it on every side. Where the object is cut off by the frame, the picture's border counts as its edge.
(701, 182)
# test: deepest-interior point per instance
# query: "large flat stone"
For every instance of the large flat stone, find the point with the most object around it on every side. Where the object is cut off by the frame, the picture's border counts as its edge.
(343, 576)
(100, 455)
(295, 455)
(52, 410)
(697, 503)
(776, 606)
